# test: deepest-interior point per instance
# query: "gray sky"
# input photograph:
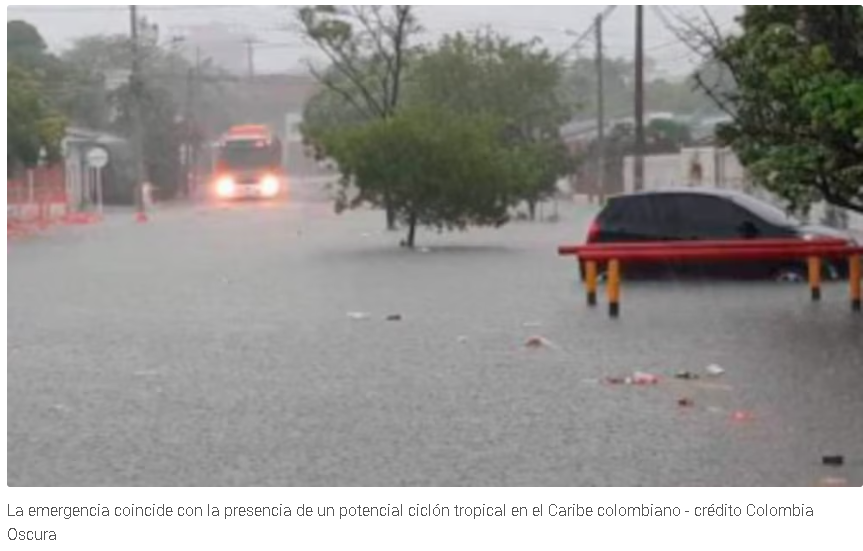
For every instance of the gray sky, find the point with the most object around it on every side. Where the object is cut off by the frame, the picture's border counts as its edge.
(280, 49)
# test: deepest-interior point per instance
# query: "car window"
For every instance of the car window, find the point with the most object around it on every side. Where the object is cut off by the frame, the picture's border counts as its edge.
(637, 215)
(706, 217)
(766, 212)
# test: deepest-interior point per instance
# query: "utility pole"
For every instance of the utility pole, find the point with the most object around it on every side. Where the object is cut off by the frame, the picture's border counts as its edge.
(639, 99)
(135, 89)
(250, 57)
(600, 109)
(192, 128)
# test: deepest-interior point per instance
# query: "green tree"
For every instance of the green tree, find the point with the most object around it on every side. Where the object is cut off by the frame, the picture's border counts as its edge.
(436, 168)
(367, 48)
(32, 126)
(798, 101)
(26, 48)
(518, 84)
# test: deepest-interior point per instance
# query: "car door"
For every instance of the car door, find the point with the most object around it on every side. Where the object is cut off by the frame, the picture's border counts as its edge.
(644, 218)
(702, 217)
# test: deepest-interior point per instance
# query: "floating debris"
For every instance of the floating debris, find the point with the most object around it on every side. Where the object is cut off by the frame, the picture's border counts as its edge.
(394, 317)
(742, 416)
(686, 403)
(536, 342)
(645, 379)
(715, 370)
(833, 482)
(637, 379)
(686, 376)
(833, 461)
(359, 316)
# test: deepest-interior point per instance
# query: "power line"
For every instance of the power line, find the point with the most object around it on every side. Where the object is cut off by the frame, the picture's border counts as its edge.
(590, 30)
(121, 9)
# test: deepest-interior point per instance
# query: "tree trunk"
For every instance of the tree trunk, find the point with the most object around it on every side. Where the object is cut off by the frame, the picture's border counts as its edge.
(412, 232)
(531, 205)
(392, 219)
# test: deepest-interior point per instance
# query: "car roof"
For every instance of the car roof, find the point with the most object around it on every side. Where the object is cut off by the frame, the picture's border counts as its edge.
(706, 191)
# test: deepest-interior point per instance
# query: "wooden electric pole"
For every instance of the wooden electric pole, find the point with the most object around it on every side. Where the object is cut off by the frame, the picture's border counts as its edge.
(250, 57)
(639, 99)
(135, 108)
(600, 109)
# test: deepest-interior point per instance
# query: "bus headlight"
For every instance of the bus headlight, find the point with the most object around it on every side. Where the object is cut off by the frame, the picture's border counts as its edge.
(270, 186)
(226, 187)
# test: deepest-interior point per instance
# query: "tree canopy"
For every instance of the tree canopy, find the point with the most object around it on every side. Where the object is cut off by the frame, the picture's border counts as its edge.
(435, 168)
(797, 106)
(368, 48)
(34, 127)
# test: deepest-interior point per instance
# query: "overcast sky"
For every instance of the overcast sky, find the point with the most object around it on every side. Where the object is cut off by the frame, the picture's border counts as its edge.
(280, 49)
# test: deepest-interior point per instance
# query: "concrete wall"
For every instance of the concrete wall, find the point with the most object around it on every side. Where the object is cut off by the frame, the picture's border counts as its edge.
(712, 167)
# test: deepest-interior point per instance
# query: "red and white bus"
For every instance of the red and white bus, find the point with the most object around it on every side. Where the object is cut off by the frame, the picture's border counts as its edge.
(249, 165)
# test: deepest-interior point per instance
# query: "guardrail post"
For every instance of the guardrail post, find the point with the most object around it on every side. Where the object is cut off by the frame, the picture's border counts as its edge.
(854, 274)
(591, 275)
(614, 288)
(815, 278)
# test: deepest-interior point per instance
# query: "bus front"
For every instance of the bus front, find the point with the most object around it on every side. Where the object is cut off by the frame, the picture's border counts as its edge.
(250, 168)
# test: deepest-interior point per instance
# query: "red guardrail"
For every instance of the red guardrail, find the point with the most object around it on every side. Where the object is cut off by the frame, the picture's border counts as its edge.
(814, 252)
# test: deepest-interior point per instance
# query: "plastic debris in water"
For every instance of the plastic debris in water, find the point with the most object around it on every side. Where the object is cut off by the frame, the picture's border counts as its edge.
(394, 317)
(359, 316)
(686, 376)
(832, 482)
(686, 403)
(715, 370)
(742, 416)
(425, 250)
(637, 379)
(645, 379)
(833, 460)
(536, 342)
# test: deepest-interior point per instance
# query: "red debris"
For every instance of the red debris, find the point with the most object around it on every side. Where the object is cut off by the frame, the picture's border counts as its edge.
(742, 416)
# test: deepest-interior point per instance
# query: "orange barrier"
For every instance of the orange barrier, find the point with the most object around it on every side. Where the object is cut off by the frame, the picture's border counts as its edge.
(616, 254)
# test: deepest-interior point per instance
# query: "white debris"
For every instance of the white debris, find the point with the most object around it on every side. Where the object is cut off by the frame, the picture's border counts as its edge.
(537, 342)
(359, 316)
(715, 370)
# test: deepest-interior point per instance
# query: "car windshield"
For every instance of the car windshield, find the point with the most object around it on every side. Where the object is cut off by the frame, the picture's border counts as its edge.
(767, 212)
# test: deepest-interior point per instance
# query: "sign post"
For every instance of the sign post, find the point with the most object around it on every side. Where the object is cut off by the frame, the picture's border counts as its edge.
(97, 160)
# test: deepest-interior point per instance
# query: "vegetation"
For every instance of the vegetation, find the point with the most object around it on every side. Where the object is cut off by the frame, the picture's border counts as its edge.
(797, 102)
(507, 92)
(368, 48)
(516, 83)
(34, 128)
(89, 85)
(432, 167)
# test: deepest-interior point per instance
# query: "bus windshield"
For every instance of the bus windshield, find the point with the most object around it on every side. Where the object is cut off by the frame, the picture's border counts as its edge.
(249, 156)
